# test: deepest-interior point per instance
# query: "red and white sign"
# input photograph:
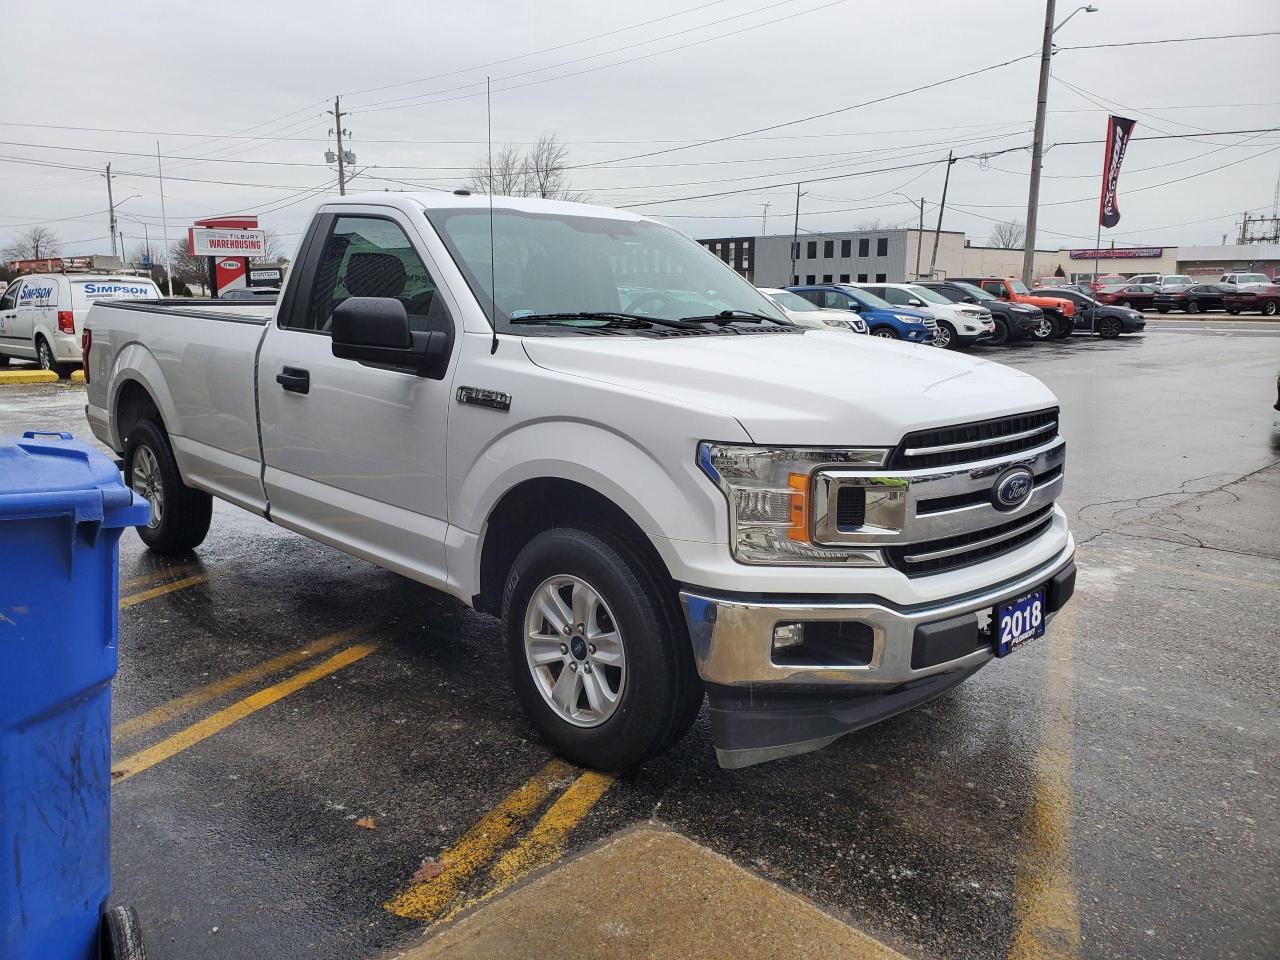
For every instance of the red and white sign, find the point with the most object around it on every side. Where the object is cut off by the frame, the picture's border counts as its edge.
(206, 242)
(229, 273)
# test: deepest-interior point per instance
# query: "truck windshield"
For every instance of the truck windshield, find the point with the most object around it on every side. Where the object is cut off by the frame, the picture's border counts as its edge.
(1017, 286)
(791, 301)
(555, 265)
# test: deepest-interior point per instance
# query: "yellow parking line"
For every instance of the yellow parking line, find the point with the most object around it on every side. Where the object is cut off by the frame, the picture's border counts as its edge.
(160, 591)
(178, 706)
(145, 759)
(1046, 908)
(545, 843)
(165, 573)
(442, 895)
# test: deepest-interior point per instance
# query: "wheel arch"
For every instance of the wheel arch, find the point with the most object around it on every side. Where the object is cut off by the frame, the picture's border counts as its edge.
(137, 389)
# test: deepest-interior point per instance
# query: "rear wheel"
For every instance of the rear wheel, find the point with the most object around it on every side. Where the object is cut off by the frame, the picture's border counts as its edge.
(180, 515)
(599, 655)
(886, 332)
(46, 360)
(1044, 331)
(1193, 306)
(1128, 304)
(1269, 308)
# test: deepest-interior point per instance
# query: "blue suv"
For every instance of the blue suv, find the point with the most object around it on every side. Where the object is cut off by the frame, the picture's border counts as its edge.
(883, 318)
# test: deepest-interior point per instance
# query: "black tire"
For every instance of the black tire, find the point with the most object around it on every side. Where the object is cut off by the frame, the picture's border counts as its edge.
(121, 935)
(46, 361)
(661, 692)
(1269, 308)
(185, 513)
(885, 333)
(1234, 311)
(1162, 310)
(1045, 330)
(4, 361)
(1110, 328)
(1000, 335)
(1193, 306)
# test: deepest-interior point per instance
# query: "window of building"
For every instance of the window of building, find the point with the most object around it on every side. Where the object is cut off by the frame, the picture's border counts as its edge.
(882, 246)
(828, 249)
(795, 280)
(862, 278)
(811, 253)
(864, 247)
(844, 277)
(881, 278)
(846, 248)
(809, 278)
(826, 278)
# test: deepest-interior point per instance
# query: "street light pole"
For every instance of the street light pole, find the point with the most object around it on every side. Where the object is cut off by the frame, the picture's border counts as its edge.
(1037, 142)
(111, 212)
(919, 231)
(795, 239)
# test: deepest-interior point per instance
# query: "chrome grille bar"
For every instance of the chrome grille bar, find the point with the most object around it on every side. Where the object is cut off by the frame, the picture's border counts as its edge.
(986, 442)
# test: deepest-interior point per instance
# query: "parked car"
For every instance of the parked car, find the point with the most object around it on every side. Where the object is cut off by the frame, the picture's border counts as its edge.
(1059, 310)
(960, 325)
(1264, 300)
(1197, 298)
(1135, 296)
(883, 318)
(1013, 321)
(800, 311)
(1104, 319)
(661, 494)
(1245, 281)
(42, 315)
(1100, 281)
(1163, 281)
(260, 294)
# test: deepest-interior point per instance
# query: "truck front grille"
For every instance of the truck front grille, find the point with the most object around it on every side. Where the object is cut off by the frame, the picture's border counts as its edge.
(970, 442)
(966, 549)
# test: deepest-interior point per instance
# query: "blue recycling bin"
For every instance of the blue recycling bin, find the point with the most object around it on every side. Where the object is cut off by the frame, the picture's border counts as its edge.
(63, 507)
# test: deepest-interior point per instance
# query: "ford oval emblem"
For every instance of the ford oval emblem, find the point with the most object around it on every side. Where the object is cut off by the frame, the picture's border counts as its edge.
(1012, 488)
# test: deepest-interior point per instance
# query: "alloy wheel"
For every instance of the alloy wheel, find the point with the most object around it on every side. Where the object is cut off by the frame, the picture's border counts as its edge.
(44, 356)
(574, 650)
(943, 337)
(147, 483)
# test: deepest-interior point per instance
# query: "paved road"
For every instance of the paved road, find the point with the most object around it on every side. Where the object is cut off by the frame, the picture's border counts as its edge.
(1108, 792)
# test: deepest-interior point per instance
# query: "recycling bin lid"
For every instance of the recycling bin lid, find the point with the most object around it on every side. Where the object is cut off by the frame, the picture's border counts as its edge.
(52, 474)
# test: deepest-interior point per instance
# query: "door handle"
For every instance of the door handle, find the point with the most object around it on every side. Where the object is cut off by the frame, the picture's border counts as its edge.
(294, 380)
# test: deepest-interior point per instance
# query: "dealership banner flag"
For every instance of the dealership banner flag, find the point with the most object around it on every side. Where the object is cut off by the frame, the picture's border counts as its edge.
(1119, 129)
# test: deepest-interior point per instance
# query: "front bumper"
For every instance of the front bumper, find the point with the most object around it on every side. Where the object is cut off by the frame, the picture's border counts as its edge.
(893, 658)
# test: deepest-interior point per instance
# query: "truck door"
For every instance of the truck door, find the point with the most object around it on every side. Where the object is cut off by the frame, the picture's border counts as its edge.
(355, 455)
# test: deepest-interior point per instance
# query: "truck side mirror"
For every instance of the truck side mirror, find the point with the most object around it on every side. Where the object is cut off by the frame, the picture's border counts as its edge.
(375, 331)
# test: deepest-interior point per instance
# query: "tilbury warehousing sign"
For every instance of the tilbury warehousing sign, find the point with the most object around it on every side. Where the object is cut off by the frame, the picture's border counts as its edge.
(221, 242)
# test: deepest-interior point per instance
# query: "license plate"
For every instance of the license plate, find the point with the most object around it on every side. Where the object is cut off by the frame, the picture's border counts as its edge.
(1018, 621)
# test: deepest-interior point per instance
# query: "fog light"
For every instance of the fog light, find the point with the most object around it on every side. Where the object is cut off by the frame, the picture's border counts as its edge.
(787, 636)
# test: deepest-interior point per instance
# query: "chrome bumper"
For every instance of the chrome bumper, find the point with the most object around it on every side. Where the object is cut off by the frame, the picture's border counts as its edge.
(733, 638)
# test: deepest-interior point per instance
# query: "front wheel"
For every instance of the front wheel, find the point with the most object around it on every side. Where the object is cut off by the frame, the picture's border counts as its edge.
(885, 333)
(945, 338)
(598, 651)
(1269, 308)
(46, 360)
(1193, 306)
(180, 515)
(1110, 328)
(1044, 331)
(1000, 335)
(1234, 311)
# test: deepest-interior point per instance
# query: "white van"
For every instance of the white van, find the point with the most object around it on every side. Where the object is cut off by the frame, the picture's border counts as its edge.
(42, 315)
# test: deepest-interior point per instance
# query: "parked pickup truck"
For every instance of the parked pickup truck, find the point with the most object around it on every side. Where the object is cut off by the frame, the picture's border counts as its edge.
(580, 420)
(1058, 310)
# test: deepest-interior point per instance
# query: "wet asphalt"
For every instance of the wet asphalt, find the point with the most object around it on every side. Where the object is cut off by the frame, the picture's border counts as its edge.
(1112, 787)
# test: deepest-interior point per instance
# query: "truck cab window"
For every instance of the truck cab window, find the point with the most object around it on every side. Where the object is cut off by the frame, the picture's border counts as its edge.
(372, 257)
(10, 296)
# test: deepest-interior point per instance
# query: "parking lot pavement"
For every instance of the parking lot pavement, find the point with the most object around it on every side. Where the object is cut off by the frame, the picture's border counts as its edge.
(317, 758)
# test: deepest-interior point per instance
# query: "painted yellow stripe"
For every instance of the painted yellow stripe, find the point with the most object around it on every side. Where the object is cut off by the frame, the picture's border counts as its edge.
(432, 899)
(545, 843)
(145, 759)
(184, 704)
(1046, 908)
(160, 591)
(165, 573)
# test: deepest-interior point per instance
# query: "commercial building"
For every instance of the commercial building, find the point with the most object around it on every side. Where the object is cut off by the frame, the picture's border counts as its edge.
(898, 255)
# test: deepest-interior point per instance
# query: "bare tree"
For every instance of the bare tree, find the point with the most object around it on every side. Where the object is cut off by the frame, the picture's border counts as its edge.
(272, 249)
(542, 171)
(188, 268)
(1010, 235)
(875, 223)
(34, 243)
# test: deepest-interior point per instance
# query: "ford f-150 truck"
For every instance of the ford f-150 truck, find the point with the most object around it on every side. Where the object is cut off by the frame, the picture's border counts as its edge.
(580, 420)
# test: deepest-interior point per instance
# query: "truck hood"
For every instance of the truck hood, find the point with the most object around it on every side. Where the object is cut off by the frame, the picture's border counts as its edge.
(810, 389)
(1068, 307)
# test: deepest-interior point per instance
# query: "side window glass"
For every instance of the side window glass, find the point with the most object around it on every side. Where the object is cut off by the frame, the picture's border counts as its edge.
(897, 297)
(834, 301)
(372, 257)
(10, 296)
(995, 289)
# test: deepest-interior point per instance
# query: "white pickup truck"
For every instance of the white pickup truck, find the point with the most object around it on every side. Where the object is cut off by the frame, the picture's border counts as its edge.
(578, 419)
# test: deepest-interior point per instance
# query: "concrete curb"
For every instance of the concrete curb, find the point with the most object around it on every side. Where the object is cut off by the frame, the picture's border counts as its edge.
(27, 376)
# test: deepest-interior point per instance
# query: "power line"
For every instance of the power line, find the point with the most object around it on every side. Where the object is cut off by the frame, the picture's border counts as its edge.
(1146, 43)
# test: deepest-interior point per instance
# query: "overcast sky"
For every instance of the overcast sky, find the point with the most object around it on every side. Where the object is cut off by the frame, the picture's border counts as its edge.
(246, 85)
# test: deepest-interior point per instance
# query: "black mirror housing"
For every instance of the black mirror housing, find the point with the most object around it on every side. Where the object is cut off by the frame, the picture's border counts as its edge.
(375, 331)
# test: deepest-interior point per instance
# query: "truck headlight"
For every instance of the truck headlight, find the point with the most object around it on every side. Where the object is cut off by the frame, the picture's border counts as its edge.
(769, 490)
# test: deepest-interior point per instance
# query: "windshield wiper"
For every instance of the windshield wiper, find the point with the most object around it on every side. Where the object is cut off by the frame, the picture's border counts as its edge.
(612, 319)
(731, 316)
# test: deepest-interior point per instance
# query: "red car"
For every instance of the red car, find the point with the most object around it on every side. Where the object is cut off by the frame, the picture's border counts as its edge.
(1265, 300)
(1135, 296)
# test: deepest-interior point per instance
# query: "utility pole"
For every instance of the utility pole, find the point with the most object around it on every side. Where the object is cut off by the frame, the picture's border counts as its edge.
(164, 223)
(1244, 226)
(933, 259)
(337, 115)
(764, 218)
(919, 238)
(1037, 145)
(795, 239)
(111, 211)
